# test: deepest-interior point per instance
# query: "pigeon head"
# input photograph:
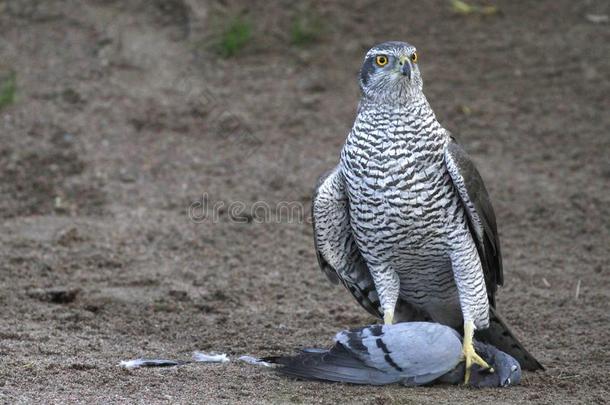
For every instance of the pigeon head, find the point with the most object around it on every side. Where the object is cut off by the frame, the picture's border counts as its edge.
(507, 370)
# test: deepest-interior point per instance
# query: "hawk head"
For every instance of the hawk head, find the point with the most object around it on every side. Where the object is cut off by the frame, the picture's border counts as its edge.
(390, 73)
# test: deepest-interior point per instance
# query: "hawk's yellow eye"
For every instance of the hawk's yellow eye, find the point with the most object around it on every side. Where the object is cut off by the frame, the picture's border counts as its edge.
(381, 60)
(414, 57)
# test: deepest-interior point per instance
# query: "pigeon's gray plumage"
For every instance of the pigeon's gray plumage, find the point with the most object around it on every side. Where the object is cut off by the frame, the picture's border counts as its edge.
(404, 221)
(411, 353)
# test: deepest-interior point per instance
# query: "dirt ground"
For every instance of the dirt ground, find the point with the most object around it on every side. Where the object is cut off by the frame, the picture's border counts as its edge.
(126, 118)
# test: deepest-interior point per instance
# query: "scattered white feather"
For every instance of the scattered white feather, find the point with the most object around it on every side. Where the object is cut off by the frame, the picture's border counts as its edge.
(137, 363)
(314, 350)
(254, 361)
(131, 363)
(597, 18)
(210, 358)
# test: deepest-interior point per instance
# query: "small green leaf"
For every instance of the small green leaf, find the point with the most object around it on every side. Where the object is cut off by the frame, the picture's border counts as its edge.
(306, 28)
(236, 34)
(8, 89)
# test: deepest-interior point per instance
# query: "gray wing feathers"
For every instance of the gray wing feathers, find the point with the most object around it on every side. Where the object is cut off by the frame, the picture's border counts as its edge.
(337, 364)
(332, 234)
(336, 249)
(481, 216)
(482, 222)
(326, 211)
(414, 353)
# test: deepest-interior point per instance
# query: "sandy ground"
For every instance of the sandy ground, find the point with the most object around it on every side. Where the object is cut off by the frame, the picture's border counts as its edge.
(124, 119)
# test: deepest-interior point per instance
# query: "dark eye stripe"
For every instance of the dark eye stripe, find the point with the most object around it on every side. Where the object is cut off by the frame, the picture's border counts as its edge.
(367, 70)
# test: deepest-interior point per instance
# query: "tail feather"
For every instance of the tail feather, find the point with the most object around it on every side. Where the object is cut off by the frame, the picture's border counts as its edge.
(499, 335)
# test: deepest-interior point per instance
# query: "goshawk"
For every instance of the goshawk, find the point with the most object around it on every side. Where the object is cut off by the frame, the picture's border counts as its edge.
(404, 221)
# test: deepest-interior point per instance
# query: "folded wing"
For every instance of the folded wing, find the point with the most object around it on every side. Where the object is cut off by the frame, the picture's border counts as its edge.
(336, 249)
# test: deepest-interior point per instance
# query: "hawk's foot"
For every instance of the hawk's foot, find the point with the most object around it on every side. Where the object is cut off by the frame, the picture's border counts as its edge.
(388, 317)
(470, 356)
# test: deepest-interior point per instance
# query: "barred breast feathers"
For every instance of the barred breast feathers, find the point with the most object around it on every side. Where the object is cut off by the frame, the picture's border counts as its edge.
(383, 135)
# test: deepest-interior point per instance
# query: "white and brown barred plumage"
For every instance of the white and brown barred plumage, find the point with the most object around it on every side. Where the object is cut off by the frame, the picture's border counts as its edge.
(404, 221)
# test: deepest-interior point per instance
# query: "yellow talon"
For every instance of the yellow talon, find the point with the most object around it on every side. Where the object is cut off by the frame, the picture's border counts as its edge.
(388, 317)
(470, 355)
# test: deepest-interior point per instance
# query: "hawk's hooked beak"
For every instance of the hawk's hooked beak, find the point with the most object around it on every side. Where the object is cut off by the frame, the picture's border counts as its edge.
(405, 66)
